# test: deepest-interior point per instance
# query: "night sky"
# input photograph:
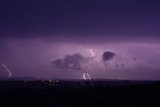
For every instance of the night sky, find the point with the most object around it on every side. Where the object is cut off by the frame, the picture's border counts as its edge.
(33, 33)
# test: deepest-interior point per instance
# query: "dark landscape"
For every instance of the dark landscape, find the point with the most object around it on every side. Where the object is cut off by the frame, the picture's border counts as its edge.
(56, 93)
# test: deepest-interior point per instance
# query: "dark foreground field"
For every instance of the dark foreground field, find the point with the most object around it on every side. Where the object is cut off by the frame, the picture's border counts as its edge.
(80, 93)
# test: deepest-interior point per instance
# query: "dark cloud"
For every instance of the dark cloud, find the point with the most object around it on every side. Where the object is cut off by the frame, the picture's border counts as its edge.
(69, 62)
(80, 19)
(108, 55)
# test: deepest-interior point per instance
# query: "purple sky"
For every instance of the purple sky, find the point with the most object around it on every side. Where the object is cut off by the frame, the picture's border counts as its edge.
(34, 33)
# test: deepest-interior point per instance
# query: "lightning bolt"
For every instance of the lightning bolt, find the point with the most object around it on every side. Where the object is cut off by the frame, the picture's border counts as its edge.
(92, 53)
(9, 73)
(86, 76)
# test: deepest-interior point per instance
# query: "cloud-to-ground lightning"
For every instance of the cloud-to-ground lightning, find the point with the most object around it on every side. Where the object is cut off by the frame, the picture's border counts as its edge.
(86, 76)
(91, 52)
(9, 73)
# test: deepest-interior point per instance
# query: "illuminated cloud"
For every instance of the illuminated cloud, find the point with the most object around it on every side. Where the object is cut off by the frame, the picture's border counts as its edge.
(70, 60)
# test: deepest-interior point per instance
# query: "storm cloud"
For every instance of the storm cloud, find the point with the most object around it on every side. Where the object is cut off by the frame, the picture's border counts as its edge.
(69, 62)
(33, 57)
(108, 55)
(123, 35)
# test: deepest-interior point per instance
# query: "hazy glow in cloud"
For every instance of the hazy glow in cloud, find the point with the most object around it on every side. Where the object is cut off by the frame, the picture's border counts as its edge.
(33, 57)
(91, 52)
